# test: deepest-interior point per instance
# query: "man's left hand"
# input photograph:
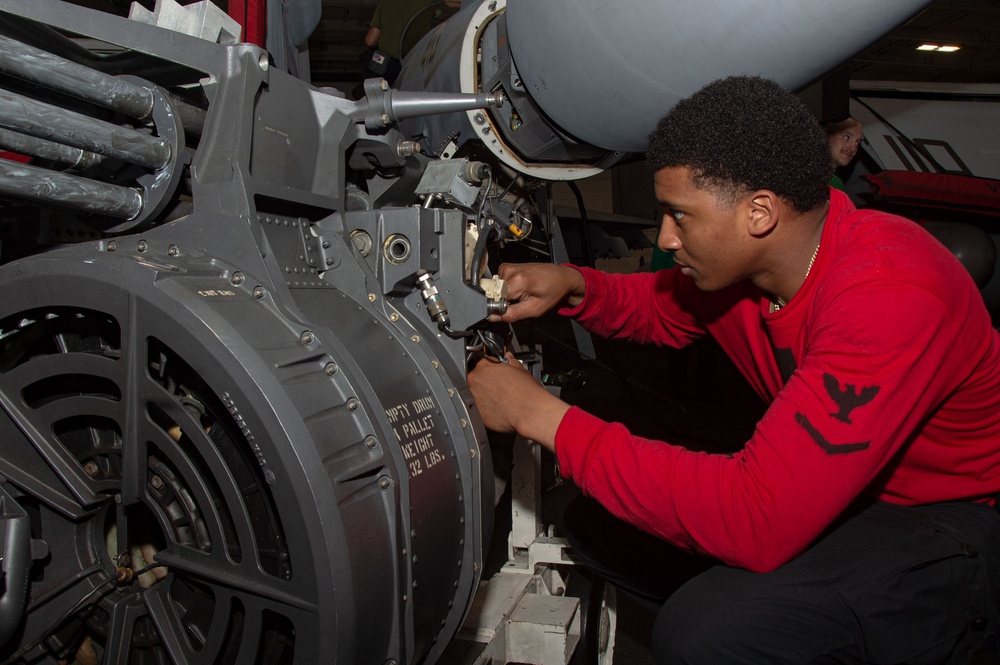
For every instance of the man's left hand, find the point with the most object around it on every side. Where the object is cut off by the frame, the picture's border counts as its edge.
(510, 399)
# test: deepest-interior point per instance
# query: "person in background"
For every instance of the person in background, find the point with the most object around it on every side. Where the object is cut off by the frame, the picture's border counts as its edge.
(858, 522)
(844, 138)
(396, 27)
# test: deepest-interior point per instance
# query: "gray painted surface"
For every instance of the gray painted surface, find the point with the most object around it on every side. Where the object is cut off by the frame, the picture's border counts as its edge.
(606, 71)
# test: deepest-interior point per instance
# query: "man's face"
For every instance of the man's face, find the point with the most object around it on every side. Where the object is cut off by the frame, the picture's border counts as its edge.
(844, 145)
(704, 233)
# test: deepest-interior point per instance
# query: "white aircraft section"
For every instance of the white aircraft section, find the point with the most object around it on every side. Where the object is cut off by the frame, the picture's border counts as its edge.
(933, 128)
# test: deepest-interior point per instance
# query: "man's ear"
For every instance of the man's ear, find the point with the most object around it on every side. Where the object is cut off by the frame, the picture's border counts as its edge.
(763, 205)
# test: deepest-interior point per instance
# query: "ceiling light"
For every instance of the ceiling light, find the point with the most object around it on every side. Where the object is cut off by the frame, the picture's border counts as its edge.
(939, 49)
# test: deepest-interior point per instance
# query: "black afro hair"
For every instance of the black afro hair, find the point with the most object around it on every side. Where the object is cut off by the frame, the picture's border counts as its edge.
(744, 133)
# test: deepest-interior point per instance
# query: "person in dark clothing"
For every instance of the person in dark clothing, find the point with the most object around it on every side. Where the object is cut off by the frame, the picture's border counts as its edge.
(396, 26)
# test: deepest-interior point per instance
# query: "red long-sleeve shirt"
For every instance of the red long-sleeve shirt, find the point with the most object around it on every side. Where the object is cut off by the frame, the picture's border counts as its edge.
(892, 390)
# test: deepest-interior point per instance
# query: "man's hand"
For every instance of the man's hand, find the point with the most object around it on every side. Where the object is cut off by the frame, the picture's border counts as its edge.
(535, 288)
(511, 400)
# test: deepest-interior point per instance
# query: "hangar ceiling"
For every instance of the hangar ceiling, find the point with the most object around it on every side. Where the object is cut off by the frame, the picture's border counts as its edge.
(974, 25)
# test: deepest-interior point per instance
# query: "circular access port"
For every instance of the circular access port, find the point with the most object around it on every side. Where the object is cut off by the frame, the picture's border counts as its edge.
(397, 248)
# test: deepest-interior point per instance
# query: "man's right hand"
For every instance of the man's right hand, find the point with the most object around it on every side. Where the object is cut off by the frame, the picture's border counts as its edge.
(535, 288)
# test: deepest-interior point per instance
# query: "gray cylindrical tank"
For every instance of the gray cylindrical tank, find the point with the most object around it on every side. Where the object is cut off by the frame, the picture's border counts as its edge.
(606, 70)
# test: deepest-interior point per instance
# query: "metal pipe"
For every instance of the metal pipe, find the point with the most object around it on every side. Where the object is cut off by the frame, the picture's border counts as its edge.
(45, 121)
(112, 92)
(32, 64)
(29, 145)
(400, 105)
(383, 105)
(192, 117)
(40, 185)
(15, 555)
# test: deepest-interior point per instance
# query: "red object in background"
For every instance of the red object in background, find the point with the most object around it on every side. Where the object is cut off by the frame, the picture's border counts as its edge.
(14, 157)
(938, 190)
(252, 15)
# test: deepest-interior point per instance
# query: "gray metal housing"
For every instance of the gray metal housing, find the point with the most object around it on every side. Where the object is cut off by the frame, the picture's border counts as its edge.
(212, 384)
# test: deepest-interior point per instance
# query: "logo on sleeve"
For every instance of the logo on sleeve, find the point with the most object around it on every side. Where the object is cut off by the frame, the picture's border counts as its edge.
(846, 400)
(829, 448)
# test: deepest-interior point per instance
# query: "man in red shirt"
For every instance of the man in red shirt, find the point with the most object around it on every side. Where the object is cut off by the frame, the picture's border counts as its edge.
(857, 524)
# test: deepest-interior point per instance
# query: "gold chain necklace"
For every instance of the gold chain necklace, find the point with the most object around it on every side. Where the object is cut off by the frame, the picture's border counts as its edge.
(776, 304)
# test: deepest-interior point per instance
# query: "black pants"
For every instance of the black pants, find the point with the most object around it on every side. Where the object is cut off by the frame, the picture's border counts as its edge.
(887, 584)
